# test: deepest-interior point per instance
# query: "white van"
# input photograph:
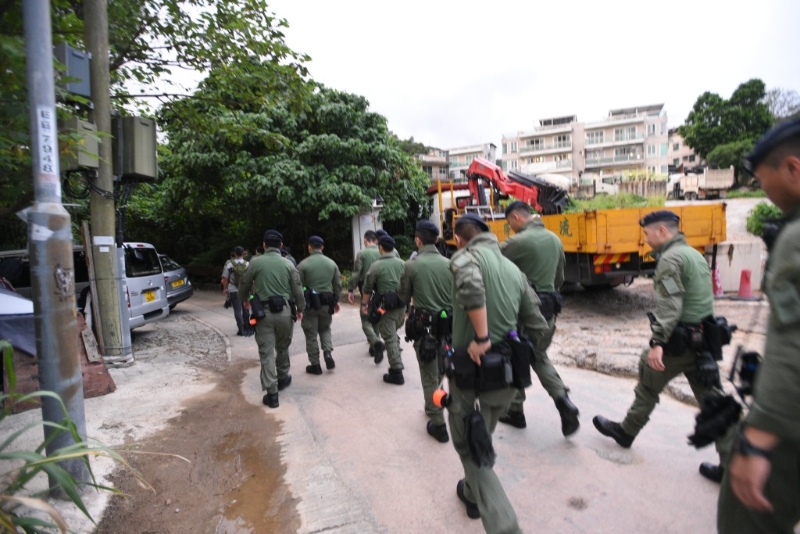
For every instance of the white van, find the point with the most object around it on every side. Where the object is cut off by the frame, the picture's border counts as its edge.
(143, 281)
(144, 284)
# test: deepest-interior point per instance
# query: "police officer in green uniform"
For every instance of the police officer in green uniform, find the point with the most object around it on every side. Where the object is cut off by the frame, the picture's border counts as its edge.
(427, 279)
(275, 280)
(491, 298)
(383, 280)
(381, 233)
(322, 285)
(684, 297)
(364, 261)
(761, 488)
(539, 254)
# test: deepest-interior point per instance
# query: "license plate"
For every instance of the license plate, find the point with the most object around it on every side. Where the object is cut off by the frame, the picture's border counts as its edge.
(177, 283)
(150, 296)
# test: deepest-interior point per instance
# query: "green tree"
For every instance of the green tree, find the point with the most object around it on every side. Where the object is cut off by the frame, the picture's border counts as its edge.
(151, 42)
(721, 130)
(243, 156)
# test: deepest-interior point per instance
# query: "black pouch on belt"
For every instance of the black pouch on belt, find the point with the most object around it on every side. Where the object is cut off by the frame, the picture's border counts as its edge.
(428, 349)
(495, 371)
(276, 303)
(464, 369)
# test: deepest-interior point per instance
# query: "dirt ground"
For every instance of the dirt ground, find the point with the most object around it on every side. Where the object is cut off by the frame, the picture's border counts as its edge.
(233, 476)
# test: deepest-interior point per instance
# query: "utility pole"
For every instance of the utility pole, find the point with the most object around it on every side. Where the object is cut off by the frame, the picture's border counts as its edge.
(103, 214)
(50, 247)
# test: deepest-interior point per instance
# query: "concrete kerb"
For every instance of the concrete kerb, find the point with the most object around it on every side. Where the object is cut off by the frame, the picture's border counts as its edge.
(225, 338)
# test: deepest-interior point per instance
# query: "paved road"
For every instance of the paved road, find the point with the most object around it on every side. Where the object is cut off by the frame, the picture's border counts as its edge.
(359, 460)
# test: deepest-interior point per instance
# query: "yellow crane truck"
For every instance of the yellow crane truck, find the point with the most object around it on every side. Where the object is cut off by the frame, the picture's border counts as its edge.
(603, 248)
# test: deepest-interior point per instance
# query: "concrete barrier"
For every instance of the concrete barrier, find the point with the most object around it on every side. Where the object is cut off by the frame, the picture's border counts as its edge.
(735, 256)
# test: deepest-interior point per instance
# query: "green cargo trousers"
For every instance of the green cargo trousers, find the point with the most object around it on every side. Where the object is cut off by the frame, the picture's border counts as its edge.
(430, 376)
(652, 383)
(545, 371)
(481, 485)
(369, 330)
(782, 490)
(388, 325)
(274, 334)
(317, 323)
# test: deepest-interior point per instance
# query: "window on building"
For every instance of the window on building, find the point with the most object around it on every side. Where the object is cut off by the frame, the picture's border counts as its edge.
(676, 147)
(505, 148)
(626, 153)
(537, 144)
(514, 147)
(664, 169)
(563, 141)
(664, 149)
(428, 169)
(663, 128)
(691, 158)
(651, 129)
(651, 150)
(625, 134)
(537, 159)
(676, 162)
(561, 157)
(442, 171)
(594, 154)
(594, 138)
(651, 170)
(513, 164)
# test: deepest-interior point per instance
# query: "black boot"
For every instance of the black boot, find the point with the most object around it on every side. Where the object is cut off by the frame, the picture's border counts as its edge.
(438, 432)
(712, 472)
(329, 363)
(378, 349)
(284, 382)
(271, 400)
(472, 508)
(394, 376)
(314, 369)
(515, 419)
(569, 416)
(613, 430)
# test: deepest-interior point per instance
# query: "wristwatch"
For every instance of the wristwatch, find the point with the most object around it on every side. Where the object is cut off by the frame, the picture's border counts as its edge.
(654, 344)
(743, 446)
(477, 339)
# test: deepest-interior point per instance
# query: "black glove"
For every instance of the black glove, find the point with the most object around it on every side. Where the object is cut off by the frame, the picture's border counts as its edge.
(717, 415)
(478, 440)
(707, 370)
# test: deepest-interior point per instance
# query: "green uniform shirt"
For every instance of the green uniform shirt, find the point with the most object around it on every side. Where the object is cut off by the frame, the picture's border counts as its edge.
(428, 280)
(482, 277)
(776, 402)
(269, 275)
(682, 283)
(320, 273)
(539, 254)
(364, 261)
(384, 275)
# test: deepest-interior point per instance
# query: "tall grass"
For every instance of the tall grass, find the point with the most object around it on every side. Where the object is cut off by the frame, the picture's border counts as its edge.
(608, 202)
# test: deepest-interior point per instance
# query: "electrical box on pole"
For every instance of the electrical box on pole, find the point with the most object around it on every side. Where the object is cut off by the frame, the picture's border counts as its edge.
(78, 65)
(134, 148)
(83, 151)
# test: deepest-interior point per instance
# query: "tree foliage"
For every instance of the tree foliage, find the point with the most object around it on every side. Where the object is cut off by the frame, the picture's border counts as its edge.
(244, 156)
(782, 103)
(152, 43)
(715, 121)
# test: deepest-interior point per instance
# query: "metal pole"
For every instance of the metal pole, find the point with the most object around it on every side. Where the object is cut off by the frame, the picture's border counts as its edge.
(104, 247)
(50, 246)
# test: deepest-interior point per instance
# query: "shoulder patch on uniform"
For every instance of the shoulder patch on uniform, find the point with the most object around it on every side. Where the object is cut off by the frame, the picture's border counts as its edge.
(671, 286)
(460, 261)
(784, 300)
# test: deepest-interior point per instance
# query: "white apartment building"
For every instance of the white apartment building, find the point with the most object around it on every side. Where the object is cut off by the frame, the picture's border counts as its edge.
(628, 142)
(680, 153)
(435, 164)
(460, 158)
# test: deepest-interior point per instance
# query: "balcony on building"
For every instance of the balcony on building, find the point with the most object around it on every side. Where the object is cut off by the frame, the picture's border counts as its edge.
(545, 148)
(616, 160)
(635, 115)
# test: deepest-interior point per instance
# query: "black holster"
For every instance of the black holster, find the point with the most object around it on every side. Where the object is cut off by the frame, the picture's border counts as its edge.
(391, 301)
(495, 371)
(716, 334)
(313, 300)
(550, 304)
(523, 357)
(257, 308)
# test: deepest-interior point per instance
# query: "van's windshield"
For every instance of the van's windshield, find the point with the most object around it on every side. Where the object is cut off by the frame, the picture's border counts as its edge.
(141, 262)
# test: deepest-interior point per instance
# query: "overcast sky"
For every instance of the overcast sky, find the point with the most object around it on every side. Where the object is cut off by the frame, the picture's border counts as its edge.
(453, 73)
